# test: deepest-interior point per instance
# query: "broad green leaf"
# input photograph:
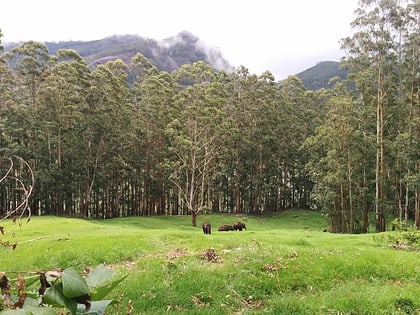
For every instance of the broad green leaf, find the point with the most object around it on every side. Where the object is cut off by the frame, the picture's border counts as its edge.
(73, 284)
(36, 310)
(99, 293)
(97, 307)
(30, 310)
(54, 296)
(99, 276)
(16, 312)
(32, 302)
(101, 281)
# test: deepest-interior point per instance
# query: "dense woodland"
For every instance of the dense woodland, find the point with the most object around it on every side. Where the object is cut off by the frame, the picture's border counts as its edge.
(127, 139)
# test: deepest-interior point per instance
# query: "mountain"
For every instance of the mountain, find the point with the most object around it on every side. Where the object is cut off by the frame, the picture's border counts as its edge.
(167, 55)
(319, 76)
(171, 53)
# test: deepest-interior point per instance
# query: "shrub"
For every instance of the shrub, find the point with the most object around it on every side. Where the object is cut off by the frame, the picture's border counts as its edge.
(44, 293)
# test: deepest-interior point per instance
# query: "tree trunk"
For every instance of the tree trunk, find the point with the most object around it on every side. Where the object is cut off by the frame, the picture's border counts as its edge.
(194, 215)
(417, 209)
(365, 203)
(379, 177)
(349, 170)
(417, 203)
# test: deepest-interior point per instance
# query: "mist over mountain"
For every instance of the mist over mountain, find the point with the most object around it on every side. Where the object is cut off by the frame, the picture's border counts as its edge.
(167, 55)
(173, 52)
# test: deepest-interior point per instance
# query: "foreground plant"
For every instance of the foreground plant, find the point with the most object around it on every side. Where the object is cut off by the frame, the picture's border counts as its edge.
(46, 293)
(59, 292)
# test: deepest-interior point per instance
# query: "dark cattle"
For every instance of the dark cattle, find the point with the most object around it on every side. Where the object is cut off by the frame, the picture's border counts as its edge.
(225, 227)
(239, 226)
(206, 228)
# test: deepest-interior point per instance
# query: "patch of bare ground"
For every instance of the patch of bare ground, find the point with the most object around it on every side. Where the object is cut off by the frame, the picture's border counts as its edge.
(403, 246)
(249, 302)
(132, 264)
(210, 255)
(176, 253)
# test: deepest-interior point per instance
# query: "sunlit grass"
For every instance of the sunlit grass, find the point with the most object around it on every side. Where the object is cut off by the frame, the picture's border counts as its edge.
(283, 264)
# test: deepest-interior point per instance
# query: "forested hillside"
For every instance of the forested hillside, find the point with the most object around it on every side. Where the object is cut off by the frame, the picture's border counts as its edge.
(199, 139)
(320, 75)
(171, 53)
(167, 55)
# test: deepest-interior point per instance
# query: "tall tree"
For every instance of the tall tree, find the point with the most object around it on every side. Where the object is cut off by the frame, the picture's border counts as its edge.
(29, 61)
(300, 108)
(7, 84)
(155, 108)
(196, 134)
(410, 94)
(108, 141)
(339, 163)
(62, 101)
(373, 51)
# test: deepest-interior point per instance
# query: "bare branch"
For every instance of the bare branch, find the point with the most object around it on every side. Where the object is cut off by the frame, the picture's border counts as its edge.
(18, 179)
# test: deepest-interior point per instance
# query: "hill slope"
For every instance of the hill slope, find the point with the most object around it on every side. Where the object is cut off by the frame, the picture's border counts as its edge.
(167, 55)
(173, 52)
(318, 76)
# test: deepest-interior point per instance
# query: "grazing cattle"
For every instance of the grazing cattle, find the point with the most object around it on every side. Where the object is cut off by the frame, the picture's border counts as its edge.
(225, 227)
(206, 228)
(239, 226)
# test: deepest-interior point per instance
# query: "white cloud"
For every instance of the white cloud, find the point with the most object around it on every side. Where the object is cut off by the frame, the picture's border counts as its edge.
(261, 35)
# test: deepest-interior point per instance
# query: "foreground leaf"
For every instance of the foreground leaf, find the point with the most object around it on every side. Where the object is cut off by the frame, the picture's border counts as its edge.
(96, 308)
(30, 310)
(55, 296)
(99, 276)
(35, 310)
(16, 312)
(101, 281)
(73, 284)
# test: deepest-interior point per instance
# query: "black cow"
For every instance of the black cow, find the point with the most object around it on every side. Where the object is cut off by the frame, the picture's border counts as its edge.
(239, 226)
(206, 228)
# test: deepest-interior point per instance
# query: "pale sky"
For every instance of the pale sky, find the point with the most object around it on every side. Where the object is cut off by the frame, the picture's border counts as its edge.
(283, 37)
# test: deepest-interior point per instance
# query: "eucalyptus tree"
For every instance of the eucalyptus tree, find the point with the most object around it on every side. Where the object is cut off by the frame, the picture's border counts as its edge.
(196, 134)
(241, 156)
(62, 102)
(267, 144)
(152, 93)
(7, 84)
(373, 57)
(409, 90)
(156, 111)
(141, 68)
(4, 72)
(270, 145)
(300, 108)
(28, 63)
(257, 144)
(108, 143)
(339, 163)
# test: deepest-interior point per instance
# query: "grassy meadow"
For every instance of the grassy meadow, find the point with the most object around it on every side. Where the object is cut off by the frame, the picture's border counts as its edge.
(283, 264)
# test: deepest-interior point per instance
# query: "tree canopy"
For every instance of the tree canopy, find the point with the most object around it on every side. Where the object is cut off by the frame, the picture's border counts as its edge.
(125, 139)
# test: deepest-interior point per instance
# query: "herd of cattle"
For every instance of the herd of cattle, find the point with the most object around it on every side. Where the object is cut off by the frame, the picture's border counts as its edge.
(226, 227)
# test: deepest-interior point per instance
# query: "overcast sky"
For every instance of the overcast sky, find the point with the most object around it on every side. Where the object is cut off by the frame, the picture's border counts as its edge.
(281, 36)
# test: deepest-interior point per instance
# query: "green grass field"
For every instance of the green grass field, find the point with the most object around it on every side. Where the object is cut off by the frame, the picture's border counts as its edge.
(283, 264)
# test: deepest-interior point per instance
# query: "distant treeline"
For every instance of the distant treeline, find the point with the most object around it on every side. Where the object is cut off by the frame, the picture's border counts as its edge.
(201, 140)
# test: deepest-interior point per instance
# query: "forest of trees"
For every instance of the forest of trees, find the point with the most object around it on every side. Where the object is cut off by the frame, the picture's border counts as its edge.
(129, 140)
